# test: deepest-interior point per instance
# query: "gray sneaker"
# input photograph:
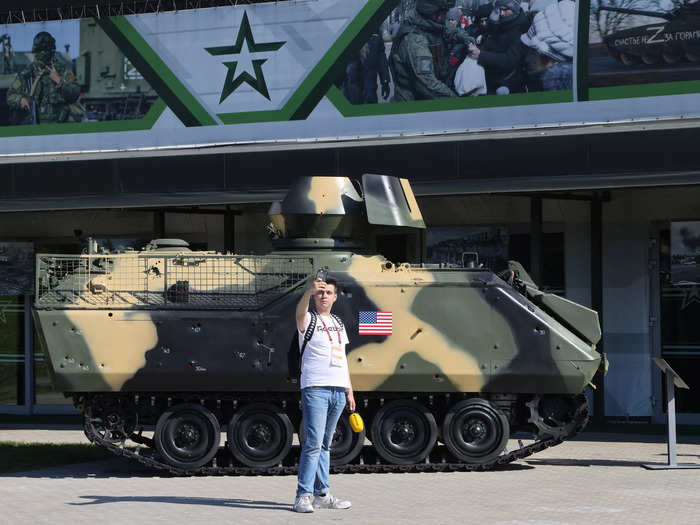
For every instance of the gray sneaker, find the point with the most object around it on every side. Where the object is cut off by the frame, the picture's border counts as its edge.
(329, 501)
(303, 504)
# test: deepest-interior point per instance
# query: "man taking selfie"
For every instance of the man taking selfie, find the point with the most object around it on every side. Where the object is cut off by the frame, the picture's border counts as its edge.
(325, 390)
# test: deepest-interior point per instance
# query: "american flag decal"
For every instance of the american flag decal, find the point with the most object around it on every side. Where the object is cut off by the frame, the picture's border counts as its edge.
(375, 323)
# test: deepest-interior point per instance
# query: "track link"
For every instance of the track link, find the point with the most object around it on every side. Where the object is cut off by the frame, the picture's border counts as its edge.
(149, 458)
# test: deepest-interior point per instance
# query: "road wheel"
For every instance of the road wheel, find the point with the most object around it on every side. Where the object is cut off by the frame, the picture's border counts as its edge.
(260, 435)
(670, 58)
(650, 59)
(187, 436)
(346, 445)
(475, 431)
(404, 432)
(629, 60)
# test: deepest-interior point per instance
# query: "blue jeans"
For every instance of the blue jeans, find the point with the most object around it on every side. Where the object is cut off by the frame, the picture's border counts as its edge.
(321, 407)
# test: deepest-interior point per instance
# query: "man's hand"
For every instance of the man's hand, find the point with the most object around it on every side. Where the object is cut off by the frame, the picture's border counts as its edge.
(55, 75)
(24, 104)
(474, 52)
(385, 90)
(317, 285)
(350, 400)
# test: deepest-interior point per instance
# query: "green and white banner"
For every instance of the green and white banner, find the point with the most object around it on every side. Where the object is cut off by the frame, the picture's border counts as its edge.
(313, 70)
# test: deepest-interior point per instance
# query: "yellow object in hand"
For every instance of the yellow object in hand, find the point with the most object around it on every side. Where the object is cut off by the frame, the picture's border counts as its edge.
(356, 422)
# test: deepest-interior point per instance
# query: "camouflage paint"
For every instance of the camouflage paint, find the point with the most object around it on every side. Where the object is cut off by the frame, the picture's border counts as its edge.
(372, 364)
(454, 330)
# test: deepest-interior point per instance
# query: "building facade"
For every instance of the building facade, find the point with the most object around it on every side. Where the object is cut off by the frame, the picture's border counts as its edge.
(595, 188)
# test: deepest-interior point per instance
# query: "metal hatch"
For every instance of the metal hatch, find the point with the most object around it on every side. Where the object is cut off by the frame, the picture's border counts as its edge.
(390, 202)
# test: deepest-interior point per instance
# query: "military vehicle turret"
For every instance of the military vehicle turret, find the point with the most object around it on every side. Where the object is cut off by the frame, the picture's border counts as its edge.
(676, 39)
(189, 343)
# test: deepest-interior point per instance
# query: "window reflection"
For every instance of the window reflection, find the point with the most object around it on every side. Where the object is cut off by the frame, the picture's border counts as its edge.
(11, 350)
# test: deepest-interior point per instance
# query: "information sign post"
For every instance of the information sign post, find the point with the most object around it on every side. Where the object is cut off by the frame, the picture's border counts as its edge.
(672, 380)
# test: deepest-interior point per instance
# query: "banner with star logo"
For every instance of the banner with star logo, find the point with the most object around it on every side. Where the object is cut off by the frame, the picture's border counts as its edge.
(281, 74)
(258, 62)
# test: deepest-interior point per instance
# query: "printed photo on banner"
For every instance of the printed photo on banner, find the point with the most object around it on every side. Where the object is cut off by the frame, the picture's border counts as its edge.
(16, 268)
(643, 42)
(468, 247)
(67, 71)
(685, 253)
(427, 50)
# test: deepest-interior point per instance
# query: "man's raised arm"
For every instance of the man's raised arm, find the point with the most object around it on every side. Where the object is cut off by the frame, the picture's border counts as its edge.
(303, 304)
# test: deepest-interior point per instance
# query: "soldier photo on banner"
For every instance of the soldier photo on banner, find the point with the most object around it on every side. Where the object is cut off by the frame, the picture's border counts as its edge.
(45, 91)
(67, 71)
(432, 49)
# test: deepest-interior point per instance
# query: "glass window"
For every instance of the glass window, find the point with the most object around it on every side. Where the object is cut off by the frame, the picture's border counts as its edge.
(553, 273)
(11, 350)
(44, 391)
(680, 330)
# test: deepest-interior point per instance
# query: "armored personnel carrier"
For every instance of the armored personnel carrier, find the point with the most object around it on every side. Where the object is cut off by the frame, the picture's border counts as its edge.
(676, 39)
(191, 344)
(113, 88)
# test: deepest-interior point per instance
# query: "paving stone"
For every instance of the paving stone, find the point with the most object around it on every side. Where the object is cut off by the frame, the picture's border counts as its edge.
(595, 479)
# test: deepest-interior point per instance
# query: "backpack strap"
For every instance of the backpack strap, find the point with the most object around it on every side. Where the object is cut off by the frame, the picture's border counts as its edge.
(338, 321)
(309, 333)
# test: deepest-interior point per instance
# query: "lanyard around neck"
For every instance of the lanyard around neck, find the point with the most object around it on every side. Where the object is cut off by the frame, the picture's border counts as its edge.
(328, 332)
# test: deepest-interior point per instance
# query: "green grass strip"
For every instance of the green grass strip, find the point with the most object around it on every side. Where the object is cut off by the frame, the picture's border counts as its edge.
(146, 122)
(16, 457)
(154, 70)
(646, 90)
(446, 104)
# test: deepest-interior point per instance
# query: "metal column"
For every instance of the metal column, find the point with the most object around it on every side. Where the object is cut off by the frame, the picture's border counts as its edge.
(28, 356)
(230, 230)
(159, 224)
(597, 298)
(536, 237)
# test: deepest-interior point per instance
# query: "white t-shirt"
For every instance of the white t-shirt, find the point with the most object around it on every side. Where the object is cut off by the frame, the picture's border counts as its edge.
(316, 366)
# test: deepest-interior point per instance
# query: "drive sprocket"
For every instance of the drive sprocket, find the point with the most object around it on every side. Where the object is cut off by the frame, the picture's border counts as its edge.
(110, 420)
(558, 416)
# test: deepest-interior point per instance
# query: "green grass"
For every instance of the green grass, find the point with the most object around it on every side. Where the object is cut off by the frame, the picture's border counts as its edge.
(16, 456)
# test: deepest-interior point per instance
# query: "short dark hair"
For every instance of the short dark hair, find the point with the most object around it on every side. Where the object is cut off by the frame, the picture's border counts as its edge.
(334, 283)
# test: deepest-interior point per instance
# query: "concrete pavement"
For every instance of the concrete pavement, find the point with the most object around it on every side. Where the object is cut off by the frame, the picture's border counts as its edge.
(594, 479)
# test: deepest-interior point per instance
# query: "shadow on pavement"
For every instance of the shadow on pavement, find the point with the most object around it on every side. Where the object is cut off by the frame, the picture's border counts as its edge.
(512, 466)
(586, 462)
(597, 462)
(121, 468)
(107, 468)
(215, 502)
(633, 438)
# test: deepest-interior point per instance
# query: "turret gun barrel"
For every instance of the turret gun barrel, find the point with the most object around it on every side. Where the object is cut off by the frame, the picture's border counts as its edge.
(638, 12)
